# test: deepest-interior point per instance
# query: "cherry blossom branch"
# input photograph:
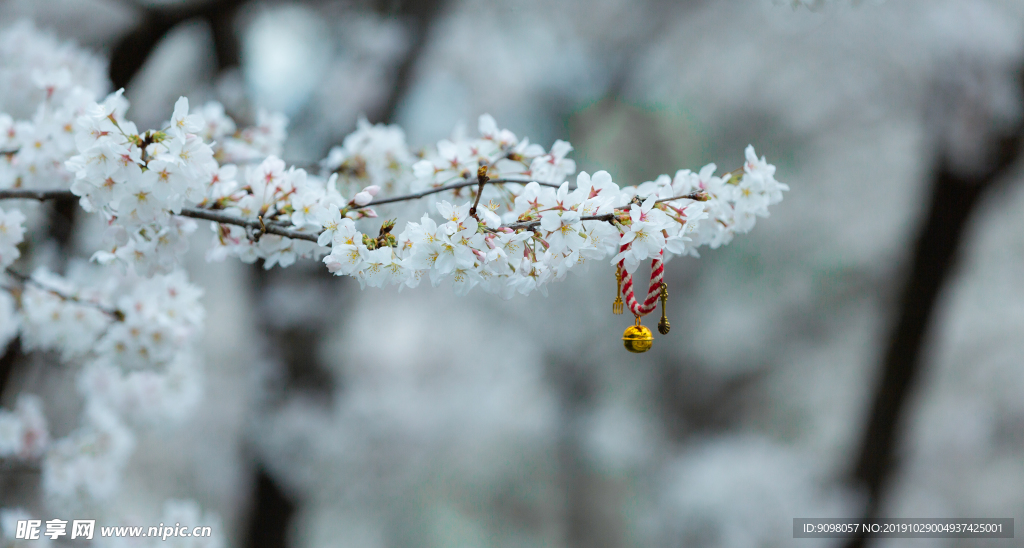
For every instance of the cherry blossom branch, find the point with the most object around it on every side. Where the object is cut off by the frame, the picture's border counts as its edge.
(532, 225)
(224, 218)
(28, 280)
(700, 196)
(41, 195)
(272, 228)
(195, 213)
(453, 186)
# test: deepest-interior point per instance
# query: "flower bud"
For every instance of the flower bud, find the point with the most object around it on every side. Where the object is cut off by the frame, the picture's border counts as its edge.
(363, 198)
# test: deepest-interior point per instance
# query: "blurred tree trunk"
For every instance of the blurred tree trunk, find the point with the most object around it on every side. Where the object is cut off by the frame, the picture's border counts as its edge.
(295, 347)
(586, 522)
(955, 195)
(270, 515)
(422, 14)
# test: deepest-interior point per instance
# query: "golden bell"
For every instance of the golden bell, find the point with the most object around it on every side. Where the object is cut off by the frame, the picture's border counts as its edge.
(637, 338)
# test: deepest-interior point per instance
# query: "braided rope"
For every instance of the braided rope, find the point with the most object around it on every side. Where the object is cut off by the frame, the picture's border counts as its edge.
(653, 290)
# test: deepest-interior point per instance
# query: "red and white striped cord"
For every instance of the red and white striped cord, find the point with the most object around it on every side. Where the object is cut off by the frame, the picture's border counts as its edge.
(653, 291)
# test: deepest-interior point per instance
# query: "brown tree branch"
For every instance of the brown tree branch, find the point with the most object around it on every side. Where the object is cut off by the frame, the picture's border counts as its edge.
(481, 177)
(224, 218)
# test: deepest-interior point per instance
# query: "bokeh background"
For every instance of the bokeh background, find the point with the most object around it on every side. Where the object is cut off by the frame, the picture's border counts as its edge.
(861, 353)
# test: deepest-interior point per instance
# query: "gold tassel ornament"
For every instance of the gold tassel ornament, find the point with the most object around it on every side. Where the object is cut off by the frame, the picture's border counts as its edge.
(637, 338)
(663, 325)
(617, 305)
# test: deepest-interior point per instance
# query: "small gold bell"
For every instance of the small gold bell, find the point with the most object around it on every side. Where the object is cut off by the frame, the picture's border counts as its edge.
(637, 338)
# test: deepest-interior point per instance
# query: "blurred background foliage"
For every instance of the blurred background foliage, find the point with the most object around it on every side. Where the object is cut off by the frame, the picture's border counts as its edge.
(859, 353)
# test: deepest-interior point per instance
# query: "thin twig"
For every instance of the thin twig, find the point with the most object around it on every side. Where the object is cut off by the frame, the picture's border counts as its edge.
(481, 177)
(699, 196)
